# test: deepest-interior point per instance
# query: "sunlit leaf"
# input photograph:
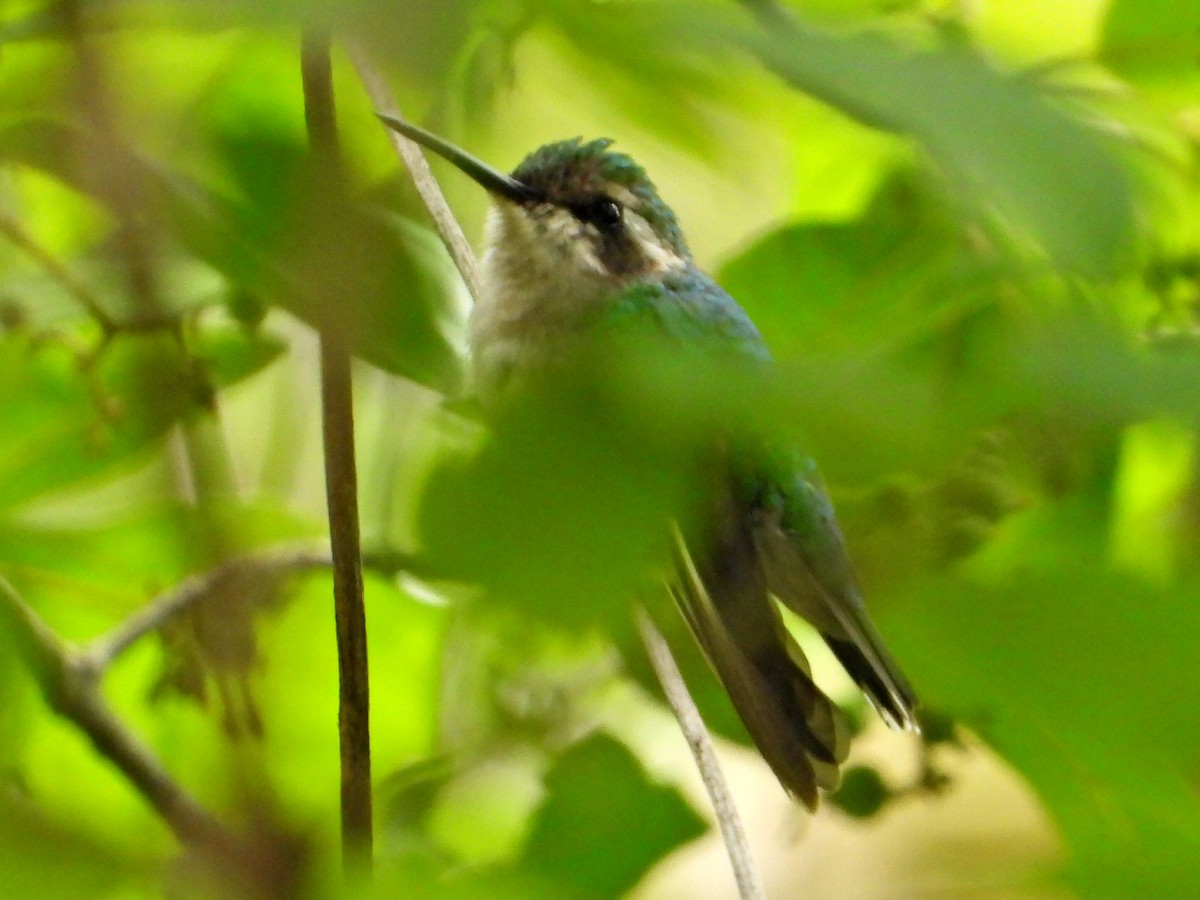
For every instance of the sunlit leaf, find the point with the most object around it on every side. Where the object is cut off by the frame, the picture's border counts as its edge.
(1046, 171)
(1145, 39)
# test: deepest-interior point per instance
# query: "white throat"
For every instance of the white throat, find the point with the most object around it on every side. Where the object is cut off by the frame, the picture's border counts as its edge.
(542, 279)
(538, 283)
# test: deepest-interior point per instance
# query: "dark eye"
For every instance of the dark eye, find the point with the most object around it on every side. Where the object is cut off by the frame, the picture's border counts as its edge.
(603, 212)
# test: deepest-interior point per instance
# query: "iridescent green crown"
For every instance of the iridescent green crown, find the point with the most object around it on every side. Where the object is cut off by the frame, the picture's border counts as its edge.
(569, 171)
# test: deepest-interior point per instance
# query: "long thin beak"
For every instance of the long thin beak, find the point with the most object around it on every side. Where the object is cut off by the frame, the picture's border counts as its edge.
(491, 179)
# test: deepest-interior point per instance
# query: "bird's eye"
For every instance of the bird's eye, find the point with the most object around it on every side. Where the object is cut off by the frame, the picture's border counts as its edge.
(604, 213)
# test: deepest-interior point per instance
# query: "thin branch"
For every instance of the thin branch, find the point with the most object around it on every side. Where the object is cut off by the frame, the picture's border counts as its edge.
(745, 872)
(427, 186)
(116, 181)
(69, 683)
(16, 232)
(101, 652)
(341, 492)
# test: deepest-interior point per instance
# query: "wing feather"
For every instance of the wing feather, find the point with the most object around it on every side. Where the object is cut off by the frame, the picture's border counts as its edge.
(807, 567)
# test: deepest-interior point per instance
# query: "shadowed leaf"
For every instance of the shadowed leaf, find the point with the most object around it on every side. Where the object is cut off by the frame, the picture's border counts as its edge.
(604, 824)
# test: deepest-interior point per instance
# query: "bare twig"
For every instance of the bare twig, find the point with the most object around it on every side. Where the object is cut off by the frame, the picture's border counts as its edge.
(745, 872)
(116, 181)
(101, 652)
(16, 232)
(69, 683)
(341, 491)
(418, 168)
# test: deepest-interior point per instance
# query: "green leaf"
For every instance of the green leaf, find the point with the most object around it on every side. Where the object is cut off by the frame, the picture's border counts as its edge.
(631, 54)
(886, 279)
(862, 793)
(71, 426)
(1152, 40)
(324, 257)
(1083, 679)
(991, 130)
(60, 435)
(994, 132)
(563, 510)
(604, 824)
(285, 238)
(232, 354)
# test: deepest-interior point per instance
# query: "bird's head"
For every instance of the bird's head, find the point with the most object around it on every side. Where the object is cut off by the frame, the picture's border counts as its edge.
(572, 213)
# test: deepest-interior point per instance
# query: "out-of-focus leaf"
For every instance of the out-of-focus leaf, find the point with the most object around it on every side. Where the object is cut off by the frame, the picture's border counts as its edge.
(901, 272)
(60, 435)
(284, 239)
(425, 36)
(862, 792)
(41, 859)
(635, 54)
(69, 426)
(993, 131)
(91, 575)
(1046, 171)
(329, 250)
(1152, 40)
(233, 354)
(604, 823)
(1082, 679)
(563, 510)
(406, 797)
(1103, 377)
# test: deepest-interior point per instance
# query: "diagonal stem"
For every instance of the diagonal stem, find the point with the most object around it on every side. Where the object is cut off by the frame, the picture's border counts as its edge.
(102, 651)
(410, 152)
(745, 872)
(69, 683)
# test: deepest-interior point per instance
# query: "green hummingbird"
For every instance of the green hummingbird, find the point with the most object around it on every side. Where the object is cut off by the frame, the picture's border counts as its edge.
(578, 233)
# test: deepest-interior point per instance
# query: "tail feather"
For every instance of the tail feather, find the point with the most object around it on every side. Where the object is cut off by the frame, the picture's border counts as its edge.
(799, 732)
(897, 710)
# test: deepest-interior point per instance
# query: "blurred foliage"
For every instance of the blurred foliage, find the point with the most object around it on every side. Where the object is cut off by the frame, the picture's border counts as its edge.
(987, 336)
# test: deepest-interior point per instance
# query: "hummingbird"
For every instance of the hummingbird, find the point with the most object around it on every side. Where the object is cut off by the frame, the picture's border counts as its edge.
(577, 233)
